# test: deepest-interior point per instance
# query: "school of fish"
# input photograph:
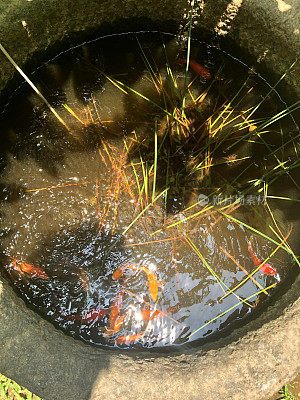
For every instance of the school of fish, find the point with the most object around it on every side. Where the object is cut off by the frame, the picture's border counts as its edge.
(116, 319)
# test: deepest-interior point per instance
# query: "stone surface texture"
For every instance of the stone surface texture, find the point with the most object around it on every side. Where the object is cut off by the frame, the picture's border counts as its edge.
(249, 364)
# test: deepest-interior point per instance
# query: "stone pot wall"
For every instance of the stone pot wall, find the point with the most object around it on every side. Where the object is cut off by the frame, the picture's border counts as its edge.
(255, 359)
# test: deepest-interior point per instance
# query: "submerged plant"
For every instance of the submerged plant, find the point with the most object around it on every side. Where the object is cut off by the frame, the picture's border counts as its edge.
(203, 140)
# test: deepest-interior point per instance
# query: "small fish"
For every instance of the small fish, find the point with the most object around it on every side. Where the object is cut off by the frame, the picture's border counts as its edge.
(265, 268)
(150, 314)
(197, 68)
(116, 326)
(129, 338)
(120, 271)
(83, 279)
(147, 314)
(88, 316)
(116, 307)
(31, 270)
(153, 283)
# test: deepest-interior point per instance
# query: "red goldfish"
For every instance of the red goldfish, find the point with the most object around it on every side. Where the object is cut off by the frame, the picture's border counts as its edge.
(116, 307)
(197, 68)
(150, 314)
(31, 270)
(129, 338)
(88, 316)
(153, 283)
(115, 320)
(265, 268)
(116, 326)
(120, 271)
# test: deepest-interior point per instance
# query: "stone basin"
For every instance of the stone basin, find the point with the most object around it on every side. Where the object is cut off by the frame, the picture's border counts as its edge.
(249, 363)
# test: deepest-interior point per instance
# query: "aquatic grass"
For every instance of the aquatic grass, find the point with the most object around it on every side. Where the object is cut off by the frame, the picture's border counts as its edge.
(225, 134)
(237, 221)
(155, 161)
(282, 198)
(54, 112)
(167, 175)
(145, 177)
(135, 174)
(204, 209)
(115, 83)
(234, 207)
(280, 163)
(256, 269)
(267, 237)
(102, 157)
(161, 240)
(227, 116)
(269, 121)
(273, 87)
(60, 186)
(174, 85)
(156, 81)
(278, 174)
(107, 152)
(132, 223)
(187, 56)
(217, 140)
(230, 309)
(280, 236)
(175, 263)
(121, 84)
(220, 127)
(211, 270)
(243, 269)
(74, 114)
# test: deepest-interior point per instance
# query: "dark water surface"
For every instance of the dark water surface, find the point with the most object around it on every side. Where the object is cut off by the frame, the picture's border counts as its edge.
(70, 200)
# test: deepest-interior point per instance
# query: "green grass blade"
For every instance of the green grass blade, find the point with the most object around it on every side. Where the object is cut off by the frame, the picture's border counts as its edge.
(132, 223)
(263, 235)
(155, 162)
(34, 87)
(187, 55)
(231, 308)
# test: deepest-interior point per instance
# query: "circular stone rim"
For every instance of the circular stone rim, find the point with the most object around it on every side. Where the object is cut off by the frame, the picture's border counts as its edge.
(246, 364)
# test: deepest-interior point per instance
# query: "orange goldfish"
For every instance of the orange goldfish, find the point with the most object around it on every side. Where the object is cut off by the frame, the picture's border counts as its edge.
(116, 307)
(31, 270)
(88, 316)
(197, 68)
(129, 338)
(120, 271)
(150, 314)
(116, 326)
(265, 268)
(153, 283)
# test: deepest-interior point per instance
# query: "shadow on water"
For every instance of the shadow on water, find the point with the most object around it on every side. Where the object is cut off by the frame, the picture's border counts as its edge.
(71, 259)
(36, 135)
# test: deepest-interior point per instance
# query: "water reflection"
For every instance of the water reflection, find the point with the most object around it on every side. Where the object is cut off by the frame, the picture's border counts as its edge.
(132, 260)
